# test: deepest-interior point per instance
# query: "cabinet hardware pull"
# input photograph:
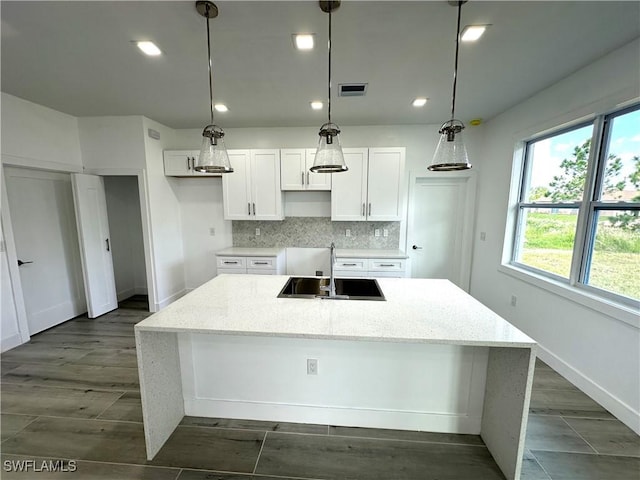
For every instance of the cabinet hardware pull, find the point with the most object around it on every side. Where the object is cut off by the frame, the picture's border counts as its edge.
(369, 209)
(307, 178)
(302, 180)
(230, 263)
(261, 263)
(387, 265)
(349, 264)
(363, 209)
(254, 208)
(108, 247)
(188, 163)
(248, 208)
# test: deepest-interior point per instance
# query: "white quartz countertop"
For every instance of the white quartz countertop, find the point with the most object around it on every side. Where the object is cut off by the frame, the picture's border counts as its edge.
(415, 310)
(250, 252)
(369, 253)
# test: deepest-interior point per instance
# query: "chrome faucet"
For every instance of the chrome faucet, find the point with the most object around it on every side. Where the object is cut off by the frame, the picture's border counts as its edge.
(331, 288)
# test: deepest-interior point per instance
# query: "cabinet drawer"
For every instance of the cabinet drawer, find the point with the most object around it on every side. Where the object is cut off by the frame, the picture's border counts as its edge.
(231, 262)
(351, 264)
(382, 265)
(261, 263)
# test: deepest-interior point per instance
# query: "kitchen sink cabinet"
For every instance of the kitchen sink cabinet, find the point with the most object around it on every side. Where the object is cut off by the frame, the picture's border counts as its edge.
(181, 163)
(370, 267)
(294, 171)
(252, 191)
(262, 261)
(372, 187)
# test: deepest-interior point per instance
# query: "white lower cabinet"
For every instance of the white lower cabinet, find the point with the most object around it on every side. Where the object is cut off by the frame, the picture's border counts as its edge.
(370, 267)
(253, 264)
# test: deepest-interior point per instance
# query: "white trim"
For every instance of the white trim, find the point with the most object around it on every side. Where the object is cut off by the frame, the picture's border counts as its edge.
(12, 264)
(612, 309)
(168, 300)
(34, 163)
(10, 342)
(623, 412)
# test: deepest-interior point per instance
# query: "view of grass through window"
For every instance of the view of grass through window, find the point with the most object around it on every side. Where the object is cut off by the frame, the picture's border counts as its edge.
(550, 203)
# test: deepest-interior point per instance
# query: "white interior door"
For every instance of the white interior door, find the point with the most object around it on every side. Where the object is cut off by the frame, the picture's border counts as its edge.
(440, 228)
(46, 242)
(95, 244)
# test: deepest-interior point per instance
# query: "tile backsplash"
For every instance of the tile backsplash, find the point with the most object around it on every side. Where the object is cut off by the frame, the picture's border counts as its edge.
(310, 232)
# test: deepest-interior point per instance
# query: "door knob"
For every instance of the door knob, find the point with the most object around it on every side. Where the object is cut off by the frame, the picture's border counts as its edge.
(415, 247)
(20, 262)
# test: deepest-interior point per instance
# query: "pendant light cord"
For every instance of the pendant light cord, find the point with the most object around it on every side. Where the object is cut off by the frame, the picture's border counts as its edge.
(210, 65)
(329, 83)
(455, 69)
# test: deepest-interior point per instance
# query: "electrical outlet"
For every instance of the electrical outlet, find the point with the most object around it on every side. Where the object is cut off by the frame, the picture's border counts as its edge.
(385, 232)
(212, 232)
(514, 300)
(347, 232)
(257, 232)
(376, 232)
(483, 236)
(312, 366)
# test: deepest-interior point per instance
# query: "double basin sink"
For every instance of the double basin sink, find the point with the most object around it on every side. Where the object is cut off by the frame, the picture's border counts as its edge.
(346, 288)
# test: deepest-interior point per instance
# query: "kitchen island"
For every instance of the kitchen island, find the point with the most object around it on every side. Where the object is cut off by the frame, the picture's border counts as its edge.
(428, 358)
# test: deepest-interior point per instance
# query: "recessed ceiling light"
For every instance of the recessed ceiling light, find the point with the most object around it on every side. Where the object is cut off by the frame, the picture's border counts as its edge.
(304, 41)
(149, 48)
(419, 102)
(471, 33)
(220, 107)
(317, 105)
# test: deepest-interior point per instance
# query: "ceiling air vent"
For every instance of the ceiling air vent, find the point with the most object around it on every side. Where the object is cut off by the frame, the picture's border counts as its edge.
(352, 89)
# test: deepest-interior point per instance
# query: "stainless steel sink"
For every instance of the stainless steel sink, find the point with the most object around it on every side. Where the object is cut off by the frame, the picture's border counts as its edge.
(346, 288)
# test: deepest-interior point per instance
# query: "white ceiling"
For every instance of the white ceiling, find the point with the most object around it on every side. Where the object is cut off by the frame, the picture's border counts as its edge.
(77, 57)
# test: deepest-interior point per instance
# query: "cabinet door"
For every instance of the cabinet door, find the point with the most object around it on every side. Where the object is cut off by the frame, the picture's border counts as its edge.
(349, 189)
(315, 181)
(385, 190)
(292, 169)
(266, 196)
(179, 163)
(236, 186)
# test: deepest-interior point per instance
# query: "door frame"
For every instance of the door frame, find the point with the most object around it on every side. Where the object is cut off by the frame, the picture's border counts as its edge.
(468, 225)
(12, 263)
(145, 214)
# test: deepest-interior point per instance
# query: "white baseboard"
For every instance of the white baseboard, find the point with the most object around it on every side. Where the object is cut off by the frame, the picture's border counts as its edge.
(327, 415)
(10, 342)
(169, 300)
(623, 412)
(124, 294)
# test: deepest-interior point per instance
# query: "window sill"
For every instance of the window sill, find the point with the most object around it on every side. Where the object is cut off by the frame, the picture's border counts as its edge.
(617, 311)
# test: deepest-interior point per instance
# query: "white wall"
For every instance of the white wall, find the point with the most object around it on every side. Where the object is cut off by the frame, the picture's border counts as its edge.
(163, 211)
(125, 227)
(201, 210)
(112, 142)
(593, 349)
(38, 137)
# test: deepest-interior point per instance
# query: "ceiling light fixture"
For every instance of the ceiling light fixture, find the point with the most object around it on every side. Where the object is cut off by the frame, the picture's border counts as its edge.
(419, 102)
(149, 48)
(220, 107)
(317, 105)
(329, 157)
(304, 41)
(213, 156)
(451, 153)
(471, 33)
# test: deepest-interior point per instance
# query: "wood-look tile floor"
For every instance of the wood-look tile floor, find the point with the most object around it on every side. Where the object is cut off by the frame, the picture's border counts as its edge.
(72, 394)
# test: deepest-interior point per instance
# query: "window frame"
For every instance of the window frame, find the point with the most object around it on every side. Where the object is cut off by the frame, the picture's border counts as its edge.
(588, 209)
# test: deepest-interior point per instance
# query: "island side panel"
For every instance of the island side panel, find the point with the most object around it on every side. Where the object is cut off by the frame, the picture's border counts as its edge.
(506, 406)
(160, 387)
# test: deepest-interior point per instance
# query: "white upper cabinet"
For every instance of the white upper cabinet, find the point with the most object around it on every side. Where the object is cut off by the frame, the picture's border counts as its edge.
(252, 191)
(372, 187)
(295, 175)
(181, 163)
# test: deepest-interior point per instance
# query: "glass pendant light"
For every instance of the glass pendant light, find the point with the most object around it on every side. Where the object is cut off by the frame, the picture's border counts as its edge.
(213, 155)
(329, 157)
(451, 153)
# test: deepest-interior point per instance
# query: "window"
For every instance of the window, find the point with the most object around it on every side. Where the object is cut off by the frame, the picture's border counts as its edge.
(579, 206)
